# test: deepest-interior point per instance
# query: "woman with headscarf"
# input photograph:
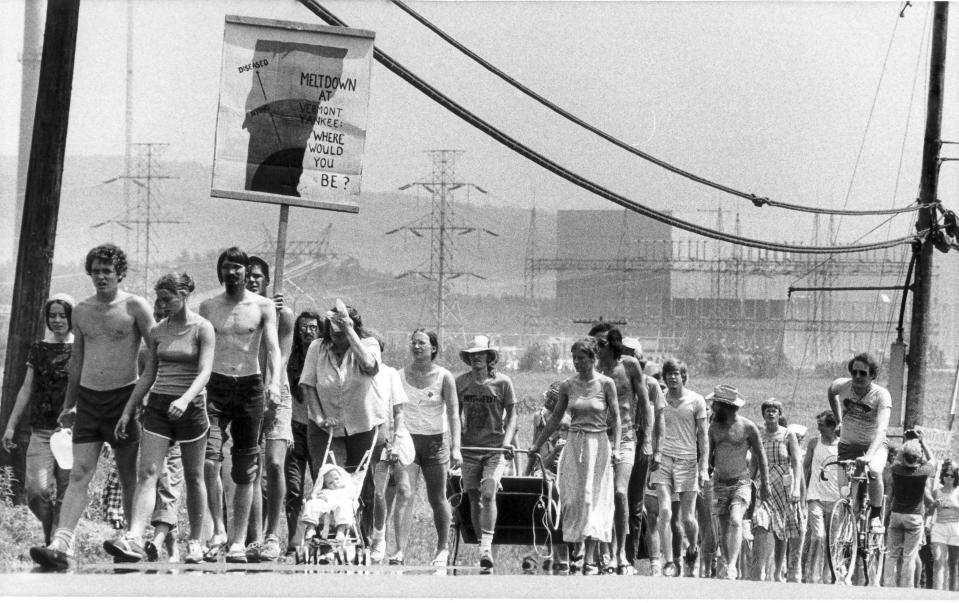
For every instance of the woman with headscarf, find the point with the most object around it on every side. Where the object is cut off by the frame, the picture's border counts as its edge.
(43, 390)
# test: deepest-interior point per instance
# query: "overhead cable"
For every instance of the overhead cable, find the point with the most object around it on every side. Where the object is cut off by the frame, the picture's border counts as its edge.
(588, 185)
(756, 199)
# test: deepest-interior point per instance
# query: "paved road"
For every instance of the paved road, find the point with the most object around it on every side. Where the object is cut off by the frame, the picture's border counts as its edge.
(264, 580)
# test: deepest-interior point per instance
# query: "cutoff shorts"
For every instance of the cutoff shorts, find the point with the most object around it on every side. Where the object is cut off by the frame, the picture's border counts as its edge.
(479, 468)
(681, 475)
(281, 425)
(431, 449)
(727, 493)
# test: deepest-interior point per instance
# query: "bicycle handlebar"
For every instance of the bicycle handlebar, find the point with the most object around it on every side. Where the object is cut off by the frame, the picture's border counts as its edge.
(847, 465)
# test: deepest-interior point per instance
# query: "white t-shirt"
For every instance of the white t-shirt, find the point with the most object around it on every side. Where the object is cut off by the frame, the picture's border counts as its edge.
(680, 418)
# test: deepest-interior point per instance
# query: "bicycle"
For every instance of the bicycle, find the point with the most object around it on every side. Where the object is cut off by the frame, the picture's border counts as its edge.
(849, 536)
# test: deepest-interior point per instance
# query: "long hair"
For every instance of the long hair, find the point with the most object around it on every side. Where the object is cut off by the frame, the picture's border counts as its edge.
(235, 255)
(67, 310)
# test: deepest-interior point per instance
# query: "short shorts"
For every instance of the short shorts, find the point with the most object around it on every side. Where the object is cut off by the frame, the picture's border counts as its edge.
(479, 468)
(431, 449)
(190, 427)
(945, 533)
(280, 427)
(681, 475)
(97, 416)
(727, 493)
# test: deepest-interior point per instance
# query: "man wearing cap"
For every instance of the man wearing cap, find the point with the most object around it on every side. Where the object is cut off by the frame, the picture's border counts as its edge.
(731, 438)
(488, 420)
(863, 409)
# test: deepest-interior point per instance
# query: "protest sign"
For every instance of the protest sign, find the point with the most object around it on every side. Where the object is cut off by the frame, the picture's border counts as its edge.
(291, 118)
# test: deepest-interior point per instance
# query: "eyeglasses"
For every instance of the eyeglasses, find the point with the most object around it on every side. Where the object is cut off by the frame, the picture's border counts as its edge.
(859, 373)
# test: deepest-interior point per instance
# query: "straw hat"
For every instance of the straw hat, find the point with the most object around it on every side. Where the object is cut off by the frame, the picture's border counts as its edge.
(480, 343)
(726, 394)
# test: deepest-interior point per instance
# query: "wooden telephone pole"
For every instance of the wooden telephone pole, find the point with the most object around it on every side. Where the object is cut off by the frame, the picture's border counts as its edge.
(922, 296)
(42, 197)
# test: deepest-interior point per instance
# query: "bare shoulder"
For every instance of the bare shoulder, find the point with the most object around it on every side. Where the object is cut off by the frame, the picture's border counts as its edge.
(631, 364)
(136, 305)
(748, 426)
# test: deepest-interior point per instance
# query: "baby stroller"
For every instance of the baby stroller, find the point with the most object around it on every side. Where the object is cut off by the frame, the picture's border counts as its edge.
(325, 547)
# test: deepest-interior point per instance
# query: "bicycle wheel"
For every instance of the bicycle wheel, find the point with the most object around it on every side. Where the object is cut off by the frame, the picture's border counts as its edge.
(841, 542)
(874, 558)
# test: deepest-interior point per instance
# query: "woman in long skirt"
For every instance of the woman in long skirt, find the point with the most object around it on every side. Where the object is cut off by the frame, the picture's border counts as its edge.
(585, 478)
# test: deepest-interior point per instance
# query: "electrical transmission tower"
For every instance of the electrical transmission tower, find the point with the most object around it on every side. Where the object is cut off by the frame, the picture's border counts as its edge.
(441, 228)
(141, 218)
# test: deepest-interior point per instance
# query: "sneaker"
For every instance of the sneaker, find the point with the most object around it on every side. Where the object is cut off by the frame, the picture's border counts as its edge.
(194, 552)
(124, 550)
(486, 559)
(253, 552)
(656, 568)
(237, 554)
(590, 569)
(378, 548)
(689, 562)
(270, 551)
(152, 554)
(441, 559)
(876, 526)
(50, 558)
(670, 570)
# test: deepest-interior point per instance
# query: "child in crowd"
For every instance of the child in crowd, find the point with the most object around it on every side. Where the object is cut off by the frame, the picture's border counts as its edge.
(333, 497)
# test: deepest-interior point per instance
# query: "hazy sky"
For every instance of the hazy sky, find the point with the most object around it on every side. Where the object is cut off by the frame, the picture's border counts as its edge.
(772, 98)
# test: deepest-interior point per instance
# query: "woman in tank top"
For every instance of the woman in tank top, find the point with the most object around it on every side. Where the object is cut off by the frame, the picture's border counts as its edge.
(432, 418)
(179, 363)
(945, 528)
(821, 494)
(585, 470)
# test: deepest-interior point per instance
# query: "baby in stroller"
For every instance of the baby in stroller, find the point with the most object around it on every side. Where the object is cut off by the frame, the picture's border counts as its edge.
(332, 502)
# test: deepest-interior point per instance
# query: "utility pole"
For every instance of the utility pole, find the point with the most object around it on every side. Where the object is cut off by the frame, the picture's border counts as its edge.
(41, 207)
(439, 225)
(922, 295)
(30, 62)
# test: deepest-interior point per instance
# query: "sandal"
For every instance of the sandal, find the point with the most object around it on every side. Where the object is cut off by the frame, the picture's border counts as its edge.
(395, 560)
(624, 569)
(590, 569)
(213, 550)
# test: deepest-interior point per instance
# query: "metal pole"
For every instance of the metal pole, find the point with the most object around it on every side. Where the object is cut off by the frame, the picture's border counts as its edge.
(922, 294)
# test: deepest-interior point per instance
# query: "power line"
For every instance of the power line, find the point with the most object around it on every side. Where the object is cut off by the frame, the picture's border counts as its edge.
(756, 199)
(588, 185)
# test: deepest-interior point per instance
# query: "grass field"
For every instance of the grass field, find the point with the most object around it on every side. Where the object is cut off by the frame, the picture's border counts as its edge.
(802, 395)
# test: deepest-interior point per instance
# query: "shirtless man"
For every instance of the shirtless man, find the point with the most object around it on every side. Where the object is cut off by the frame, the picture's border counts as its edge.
(241, 320)
(731, 437)
(108, 328)
(635, 413)
(277, 429)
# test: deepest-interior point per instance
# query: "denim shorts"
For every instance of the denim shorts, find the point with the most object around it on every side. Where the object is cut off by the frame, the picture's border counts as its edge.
(477, 469)
(681, 475)
(431, 449)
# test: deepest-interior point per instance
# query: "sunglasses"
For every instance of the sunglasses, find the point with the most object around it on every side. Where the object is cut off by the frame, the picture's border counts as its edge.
(859, 373)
